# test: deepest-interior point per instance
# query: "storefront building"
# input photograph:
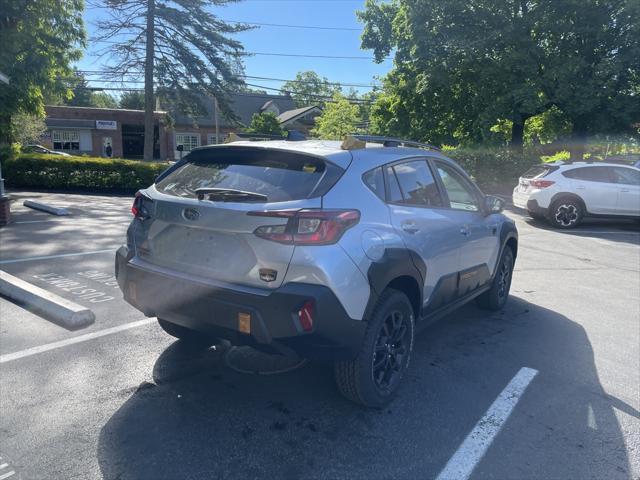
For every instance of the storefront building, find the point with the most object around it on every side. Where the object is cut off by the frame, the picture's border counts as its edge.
(119, 133)
(91, 131)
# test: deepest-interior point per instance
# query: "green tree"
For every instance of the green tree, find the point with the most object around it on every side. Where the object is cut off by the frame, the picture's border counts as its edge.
(265, 123)
(339, 118)
(184, 51)
(460, 66)
(27, 128)
(309, 88)
(591, 66)
(39, 40)
(132, 100)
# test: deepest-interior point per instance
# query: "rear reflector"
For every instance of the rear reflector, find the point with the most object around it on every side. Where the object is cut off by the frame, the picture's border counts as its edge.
(307, 227)
(244, 322)
(541, 183)
(305, 315)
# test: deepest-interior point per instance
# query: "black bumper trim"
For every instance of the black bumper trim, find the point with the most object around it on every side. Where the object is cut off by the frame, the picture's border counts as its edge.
(214, 311)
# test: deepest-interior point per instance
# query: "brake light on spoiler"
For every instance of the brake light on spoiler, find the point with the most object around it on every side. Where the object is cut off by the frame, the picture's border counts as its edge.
(306, 227)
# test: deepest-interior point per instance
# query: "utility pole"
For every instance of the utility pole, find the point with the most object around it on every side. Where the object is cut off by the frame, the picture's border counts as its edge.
(149, 120)
(5, 203)
(215, 114)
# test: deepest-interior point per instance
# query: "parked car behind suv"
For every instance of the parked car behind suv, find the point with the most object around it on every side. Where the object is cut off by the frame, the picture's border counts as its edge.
(316, 249)
(566, 193)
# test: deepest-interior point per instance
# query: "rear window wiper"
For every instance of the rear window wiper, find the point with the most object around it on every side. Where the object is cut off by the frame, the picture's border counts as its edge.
(229, 194)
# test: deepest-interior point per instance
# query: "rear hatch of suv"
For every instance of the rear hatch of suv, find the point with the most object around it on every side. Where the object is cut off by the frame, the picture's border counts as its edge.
(532, 178)
(204, 213)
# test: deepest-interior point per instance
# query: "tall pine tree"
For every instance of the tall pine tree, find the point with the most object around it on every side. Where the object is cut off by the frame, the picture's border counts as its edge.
(183, 50)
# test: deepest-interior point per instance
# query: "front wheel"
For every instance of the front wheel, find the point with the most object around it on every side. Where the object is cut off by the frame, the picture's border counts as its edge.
(374, 376)
(496, 297)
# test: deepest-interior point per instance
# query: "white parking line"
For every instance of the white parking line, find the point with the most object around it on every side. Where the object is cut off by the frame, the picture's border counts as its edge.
(469, 454)
(9, 357)
(49, 257)
(7, 475)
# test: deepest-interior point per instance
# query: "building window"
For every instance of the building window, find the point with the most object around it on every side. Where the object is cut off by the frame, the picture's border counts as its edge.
(211, 139)
(66, 139)
(189, 141)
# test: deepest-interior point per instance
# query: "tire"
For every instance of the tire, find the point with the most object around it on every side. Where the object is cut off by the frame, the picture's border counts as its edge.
(187, 335)
(537, 216)
(372, 379)
(566, 213)
(496, 297)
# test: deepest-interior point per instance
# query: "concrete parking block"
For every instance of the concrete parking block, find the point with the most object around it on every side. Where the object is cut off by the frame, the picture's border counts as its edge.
(46, 208)
(63, 312)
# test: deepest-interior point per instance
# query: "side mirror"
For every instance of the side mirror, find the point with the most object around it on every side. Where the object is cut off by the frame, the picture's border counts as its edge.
(493, 204)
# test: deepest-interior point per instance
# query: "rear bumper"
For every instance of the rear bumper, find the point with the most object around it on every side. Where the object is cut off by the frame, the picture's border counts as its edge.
(535, 208)
(519, 199)
(214, 310)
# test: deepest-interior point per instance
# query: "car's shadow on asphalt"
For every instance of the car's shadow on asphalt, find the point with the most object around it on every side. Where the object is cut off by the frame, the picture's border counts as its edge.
(200, 419)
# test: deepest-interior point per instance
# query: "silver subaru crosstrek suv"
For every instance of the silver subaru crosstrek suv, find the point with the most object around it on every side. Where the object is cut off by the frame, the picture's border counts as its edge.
(316, 249)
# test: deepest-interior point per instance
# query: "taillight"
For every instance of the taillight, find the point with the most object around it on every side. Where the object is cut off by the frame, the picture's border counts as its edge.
(541, 183)
(307, 227)
(139, 209)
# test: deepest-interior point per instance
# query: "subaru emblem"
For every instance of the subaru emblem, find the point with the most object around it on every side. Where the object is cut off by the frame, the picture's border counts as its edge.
(190, 214)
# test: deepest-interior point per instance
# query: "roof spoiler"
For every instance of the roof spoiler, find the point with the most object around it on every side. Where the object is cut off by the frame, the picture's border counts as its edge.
(356, 142)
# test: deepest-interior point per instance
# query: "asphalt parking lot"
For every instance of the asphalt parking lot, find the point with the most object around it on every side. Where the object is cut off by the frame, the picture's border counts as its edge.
(135, 404)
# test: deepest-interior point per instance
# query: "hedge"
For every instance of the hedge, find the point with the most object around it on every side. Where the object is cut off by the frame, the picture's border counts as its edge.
(495, 170)
(36, 170)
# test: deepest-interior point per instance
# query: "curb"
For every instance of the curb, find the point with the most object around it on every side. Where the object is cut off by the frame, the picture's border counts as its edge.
(45, 208)
(61, 311)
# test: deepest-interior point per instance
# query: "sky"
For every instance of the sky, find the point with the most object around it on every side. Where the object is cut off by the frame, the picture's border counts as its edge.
(304, 41)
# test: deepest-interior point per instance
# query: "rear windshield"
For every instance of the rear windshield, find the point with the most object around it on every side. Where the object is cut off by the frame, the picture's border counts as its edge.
(281, 176)
(539, 171)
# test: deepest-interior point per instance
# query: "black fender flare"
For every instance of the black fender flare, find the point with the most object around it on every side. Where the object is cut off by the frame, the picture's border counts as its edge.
(508, 234)
(395, 263)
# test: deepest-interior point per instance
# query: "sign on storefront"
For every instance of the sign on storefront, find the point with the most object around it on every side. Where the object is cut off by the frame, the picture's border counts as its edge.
(106, 125)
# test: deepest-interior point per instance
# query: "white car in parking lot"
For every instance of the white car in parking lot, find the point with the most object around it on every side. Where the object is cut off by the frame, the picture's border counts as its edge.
(565, 193)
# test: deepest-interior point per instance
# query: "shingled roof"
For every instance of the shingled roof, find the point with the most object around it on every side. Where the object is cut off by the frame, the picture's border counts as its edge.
(244, 105)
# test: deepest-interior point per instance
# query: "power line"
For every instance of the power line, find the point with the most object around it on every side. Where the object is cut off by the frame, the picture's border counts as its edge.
(242, 94)
(277, 54)
(312, 27)
(252, 77)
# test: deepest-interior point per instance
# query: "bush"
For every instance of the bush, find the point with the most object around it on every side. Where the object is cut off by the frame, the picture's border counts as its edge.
(495, 170)
(79, 173)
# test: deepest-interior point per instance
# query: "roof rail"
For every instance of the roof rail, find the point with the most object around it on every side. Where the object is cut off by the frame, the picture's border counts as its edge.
(357, 141)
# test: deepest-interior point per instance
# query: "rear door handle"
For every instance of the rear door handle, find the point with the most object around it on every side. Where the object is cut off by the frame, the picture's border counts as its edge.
(625, 190)
(465, 230)
(410, 227)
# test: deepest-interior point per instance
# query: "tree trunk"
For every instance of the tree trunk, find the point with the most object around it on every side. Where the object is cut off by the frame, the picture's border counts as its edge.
(5, 129)
(517, 134)
(578, 141)
(149, 103)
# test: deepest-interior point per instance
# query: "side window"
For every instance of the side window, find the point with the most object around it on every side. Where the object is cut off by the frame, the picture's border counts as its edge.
(375, 181)
(412, 183)
(591, 174)
(626, 176)
(395, 196)
(460, 193)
